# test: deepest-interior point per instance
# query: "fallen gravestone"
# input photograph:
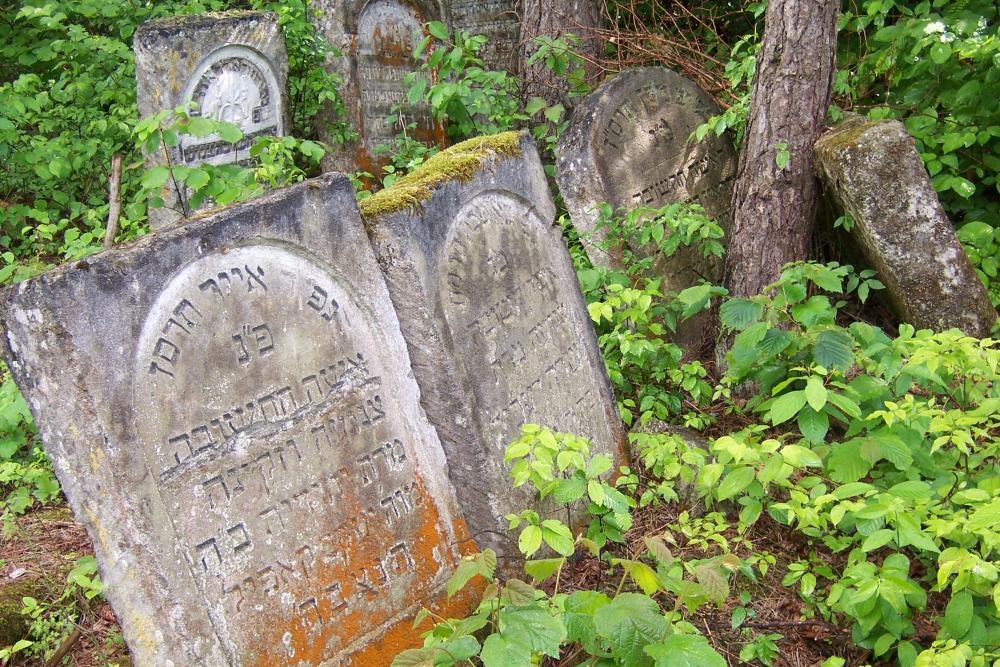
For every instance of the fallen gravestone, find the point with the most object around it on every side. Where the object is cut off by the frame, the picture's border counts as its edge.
(629, 144)
(876, 176)
(230, 410)
(232, 65)
(376, 39)
(491, 310)
(499, 21)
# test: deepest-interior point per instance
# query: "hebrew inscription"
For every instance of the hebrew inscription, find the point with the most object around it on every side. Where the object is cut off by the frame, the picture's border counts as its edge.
(388, 31)
(496, 19)
(283, 462)
(514, 327)
(237, 85)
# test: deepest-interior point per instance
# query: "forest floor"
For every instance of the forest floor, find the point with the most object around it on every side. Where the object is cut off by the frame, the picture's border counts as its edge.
(46, 542)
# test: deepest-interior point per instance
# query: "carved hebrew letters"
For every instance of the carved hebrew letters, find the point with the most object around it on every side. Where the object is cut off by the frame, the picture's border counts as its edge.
(283, 463)
(502, 297)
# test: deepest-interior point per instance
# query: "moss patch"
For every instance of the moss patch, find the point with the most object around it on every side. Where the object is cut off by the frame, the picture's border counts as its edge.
(14, 626)
(458, 163)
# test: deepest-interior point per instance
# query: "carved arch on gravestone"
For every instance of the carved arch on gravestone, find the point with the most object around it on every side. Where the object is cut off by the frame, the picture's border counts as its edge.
(237, 84)
(423, 10)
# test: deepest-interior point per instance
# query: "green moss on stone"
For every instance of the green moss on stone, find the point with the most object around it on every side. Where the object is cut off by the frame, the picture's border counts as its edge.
(459, 163)
(14, 626)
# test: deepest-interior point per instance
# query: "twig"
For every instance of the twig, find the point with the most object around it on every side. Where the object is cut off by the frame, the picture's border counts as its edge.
(64, 648)
(114, 200)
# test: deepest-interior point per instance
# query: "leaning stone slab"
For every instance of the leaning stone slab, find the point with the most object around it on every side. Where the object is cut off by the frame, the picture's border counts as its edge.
(629, 144)
(376, 39)
(874, 173)
(233, 65)
(230, 409)
(492, 313)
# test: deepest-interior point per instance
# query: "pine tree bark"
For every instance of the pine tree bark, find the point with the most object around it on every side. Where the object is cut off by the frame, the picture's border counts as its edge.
(555, 18)
(774, 208)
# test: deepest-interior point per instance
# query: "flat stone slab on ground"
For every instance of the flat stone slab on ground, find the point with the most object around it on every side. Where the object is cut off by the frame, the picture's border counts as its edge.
(491, 309)
(629, 144)
(230, 409)
(232, 64)
(876, 176)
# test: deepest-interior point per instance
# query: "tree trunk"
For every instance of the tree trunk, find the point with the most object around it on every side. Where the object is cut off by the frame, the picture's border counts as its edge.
(555, 18)
(774, 207)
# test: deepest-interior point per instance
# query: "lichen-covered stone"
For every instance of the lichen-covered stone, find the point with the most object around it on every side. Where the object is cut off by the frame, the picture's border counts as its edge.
(230, 409)
(874, 173)
(233, 65)
(491, 310)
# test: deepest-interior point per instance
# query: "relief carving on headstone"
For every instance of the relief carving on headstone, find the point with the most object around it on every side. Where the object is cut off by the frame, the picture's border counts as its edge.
(497, 328)
(232, 66)
(630, 144)
(376, 39)
(259, 480)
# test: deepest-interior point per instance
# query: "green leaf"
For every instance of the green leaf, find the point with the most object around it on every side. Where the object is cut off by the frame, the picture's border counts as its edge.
(630, 622)
(911, 534)
(739, 313)
(913, 490)
(834, 349)
(498, 651)
(940, 53)
(986, 516)
(533, 628)
(542, 569)
(845, 463)
(737, 480)
(685, 651)
(558, 536)
(958, 614)
(801, 457)
(579, 617)
(155, 177)
(415, 657)
(878, 539)
(438, 30)
(815, 392)
(813, 425)
(530, 540)
(786, 406)
(465, 571)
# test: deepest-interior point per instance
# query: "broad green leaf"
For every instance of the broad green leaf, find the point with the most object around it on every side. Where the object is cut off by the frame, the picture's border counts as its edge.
(530, 540)
(685, 651)
(987, 516)
(499, 651)
(630, 622)
(912, 490)
(813, 425)
(714, 580)
(845, 463)
(815, 392)
(533, 628)
(542, 569)
(878, 539)
(801, 457)
(958, 614)
(740, 313)
(465, 571)
(415, 657)
(834, 349)
(786, 406)
(557, 536)
(438, 30)
(580, 608)
(155, 177)
(230, 133)
(734, 482)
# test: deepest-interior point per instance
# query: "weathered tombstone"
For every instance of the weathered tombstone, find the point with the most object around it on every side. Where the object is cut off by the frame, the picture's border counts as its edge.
(499, 21)
(629, 144)
(230, 409)
(875, 174)
(233, 65)
(376, 39)
(491, 310)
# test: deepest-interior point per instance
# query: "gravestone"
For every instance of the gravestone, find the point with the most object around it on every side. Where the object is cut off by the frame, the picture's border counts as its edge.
(229, 407)
(233, 65)
(491, 310)
(499, 21)
(629, 144)
(875, 174)
(376, 39)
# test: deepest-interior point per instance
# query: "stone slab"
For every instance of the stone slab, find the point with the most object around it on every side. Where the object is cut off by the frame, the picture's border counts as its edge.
(496, 325)
(499, 21)
(232, 64)
(230, 409)
(629, 144)
(376, 39)
(875, 174)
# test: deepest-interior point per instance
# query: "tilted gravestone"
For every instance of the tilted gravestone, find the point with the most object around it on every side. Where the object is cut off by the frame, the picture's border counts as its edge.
(233, 65)
(376, 39)
(875, 174)
(629, 144)
(499, 21)
(491, 310)
(230, 409)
